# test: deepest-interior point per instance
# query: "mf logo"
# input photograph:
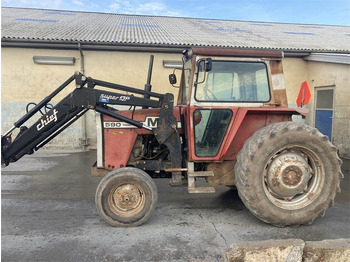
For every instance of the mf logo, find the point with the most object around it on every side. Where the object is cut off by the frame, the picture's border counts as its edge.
(152, 121)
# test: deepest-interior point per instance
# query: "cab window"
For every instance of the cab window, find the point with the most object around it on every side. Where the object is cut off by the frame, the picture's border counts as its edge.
(233, 81)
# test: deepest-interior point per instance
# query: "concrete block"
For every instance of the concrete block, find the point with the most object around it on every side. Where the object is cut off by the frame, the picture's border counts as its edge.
(327, 250)
(277, 250)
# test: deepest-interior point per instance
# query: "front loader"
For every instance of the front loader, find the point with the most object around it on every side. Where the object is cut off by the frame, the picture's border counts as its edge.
(231, 126)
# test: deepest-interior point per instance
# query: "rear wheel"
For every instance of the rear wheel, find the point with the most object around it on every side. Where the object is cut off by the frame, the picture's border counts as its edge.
(126, 197)
(288, 174)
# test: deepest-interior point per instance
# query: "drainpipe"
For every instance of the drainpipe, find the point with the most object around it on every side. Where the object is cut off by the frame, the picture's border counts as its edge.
(84, 140)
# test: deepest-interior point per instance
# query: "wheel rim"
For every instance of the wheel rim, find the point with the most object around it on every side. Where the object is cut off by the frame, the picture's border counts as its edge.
(293, 177)
(126, 200)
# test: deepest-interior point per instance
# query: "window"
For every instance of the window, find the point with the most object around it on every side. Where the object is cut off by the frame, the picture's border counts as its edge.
(324, 99)
(233, 81)
(210, 126)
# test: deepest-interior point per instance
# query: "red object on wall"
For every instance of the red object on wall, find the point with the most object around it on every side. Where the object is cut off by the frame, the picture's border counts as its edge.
(304, 95)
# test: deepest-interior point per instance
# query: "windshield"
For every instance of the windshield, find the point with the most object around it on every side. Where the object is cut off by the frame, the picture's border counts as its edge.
(233, 81)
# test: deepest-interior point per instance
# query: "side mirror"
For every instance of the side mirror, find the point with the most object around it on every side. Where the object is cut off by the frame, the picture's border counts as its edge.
(204, 65)
(208, 64)
(172, 79)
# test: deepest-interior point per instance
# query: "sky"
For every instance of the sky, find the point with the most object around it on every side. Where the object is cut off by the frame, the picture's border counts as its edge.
(327, 12)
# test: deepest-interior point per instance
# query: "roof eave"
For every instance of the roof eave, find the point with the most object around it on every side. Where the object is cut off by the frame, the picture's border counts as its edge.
(91, 45)
(140, 47)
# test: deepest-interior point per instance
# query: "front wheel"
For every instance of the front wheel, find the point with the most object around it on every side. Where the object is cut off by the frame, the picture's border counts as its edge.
(288, 174)
(126, 197)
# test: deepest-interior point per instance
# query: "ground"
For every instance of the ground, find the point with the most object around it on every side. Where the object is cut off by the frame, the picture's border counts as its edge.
(48, 214)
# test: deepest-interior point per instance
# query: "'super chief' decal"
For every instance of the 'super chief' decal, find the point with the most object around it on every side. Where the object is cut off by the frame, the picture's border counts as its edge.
(151, 121)
(106, 98)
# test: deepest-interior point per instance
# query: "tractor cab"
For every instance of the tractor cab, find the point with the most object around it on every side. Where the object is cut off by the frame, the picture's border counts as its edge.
(218, 88)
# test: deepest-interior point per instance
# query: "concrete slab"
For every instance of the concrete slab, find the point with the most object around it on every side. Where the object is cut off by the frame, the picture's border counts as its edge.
(289, 250)
(48, 214)
(276, 250)
(327, 250)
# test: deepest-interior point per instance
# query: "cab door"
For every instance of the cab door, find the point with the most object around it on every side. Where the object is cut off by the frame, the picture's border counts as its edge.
(210, 126)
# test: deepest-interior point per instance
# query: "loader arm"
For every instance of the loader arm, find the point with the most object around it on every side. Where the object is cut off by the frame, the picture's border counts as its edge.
(84, 97)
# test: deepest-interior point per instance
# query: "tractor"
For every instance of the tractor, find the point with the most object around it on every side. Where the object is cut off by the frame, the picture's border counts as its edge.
(231, 125)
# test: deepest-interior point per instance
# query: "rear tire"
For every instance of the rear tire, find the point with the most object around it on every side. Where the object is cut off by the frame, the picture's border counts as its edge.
(126, 197)
(288, 174)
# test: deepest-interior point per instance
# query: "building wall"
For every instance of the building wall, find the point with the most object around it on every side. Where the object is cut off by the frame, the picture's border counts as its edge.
(337, 76)
(23, 81)
(295, 73)
(322, 74)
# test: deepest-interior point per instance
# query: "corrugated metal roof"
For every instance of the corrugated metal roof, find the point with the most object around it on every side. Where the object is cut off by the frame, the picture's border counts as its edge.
(73, 26)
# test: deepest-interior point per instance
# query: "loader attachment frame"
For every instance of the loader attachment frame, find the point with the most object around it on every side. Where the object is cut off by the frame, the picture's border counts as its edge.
(76, 104)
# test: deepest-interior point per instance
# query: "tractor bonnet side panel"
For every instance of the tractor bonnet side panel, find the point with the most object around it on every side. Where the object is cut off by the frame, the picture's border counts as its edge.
(118, 138)
(118, 144)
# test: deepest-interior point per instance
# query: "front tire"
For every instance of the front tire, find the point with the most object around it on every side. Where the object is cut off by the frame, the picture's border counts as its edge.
(288, 174)
(126, 197)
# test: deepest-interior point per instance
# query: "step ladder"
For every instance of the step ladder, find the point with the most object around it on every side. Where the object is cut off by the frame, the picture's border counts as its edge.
(192, 179)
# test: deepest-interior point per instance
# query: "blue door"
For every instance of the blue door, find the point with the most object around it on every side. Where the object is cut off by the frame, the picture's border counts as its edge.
(324, 111)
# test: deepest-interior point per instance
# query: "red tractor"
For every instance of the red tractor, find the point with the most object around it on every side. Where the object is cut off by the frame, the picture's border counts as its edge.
(231, 125)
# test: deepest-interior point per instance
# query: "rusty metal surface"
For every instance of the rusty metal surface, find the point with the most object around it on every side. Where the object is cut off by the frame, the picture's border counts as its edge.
(98, 172)
(126, 200)
(167, 122)
(278, 89)
(276, 67)
(280, 97)
(293, 177)
(201, 189)
(191, 179)
(223, 173)
(237, 52)
(288, 175)
(175, 169)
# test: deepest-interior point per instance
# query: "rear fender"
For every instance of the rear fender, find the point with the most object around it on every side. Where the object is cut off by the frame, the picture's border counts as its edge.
(249, 120)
